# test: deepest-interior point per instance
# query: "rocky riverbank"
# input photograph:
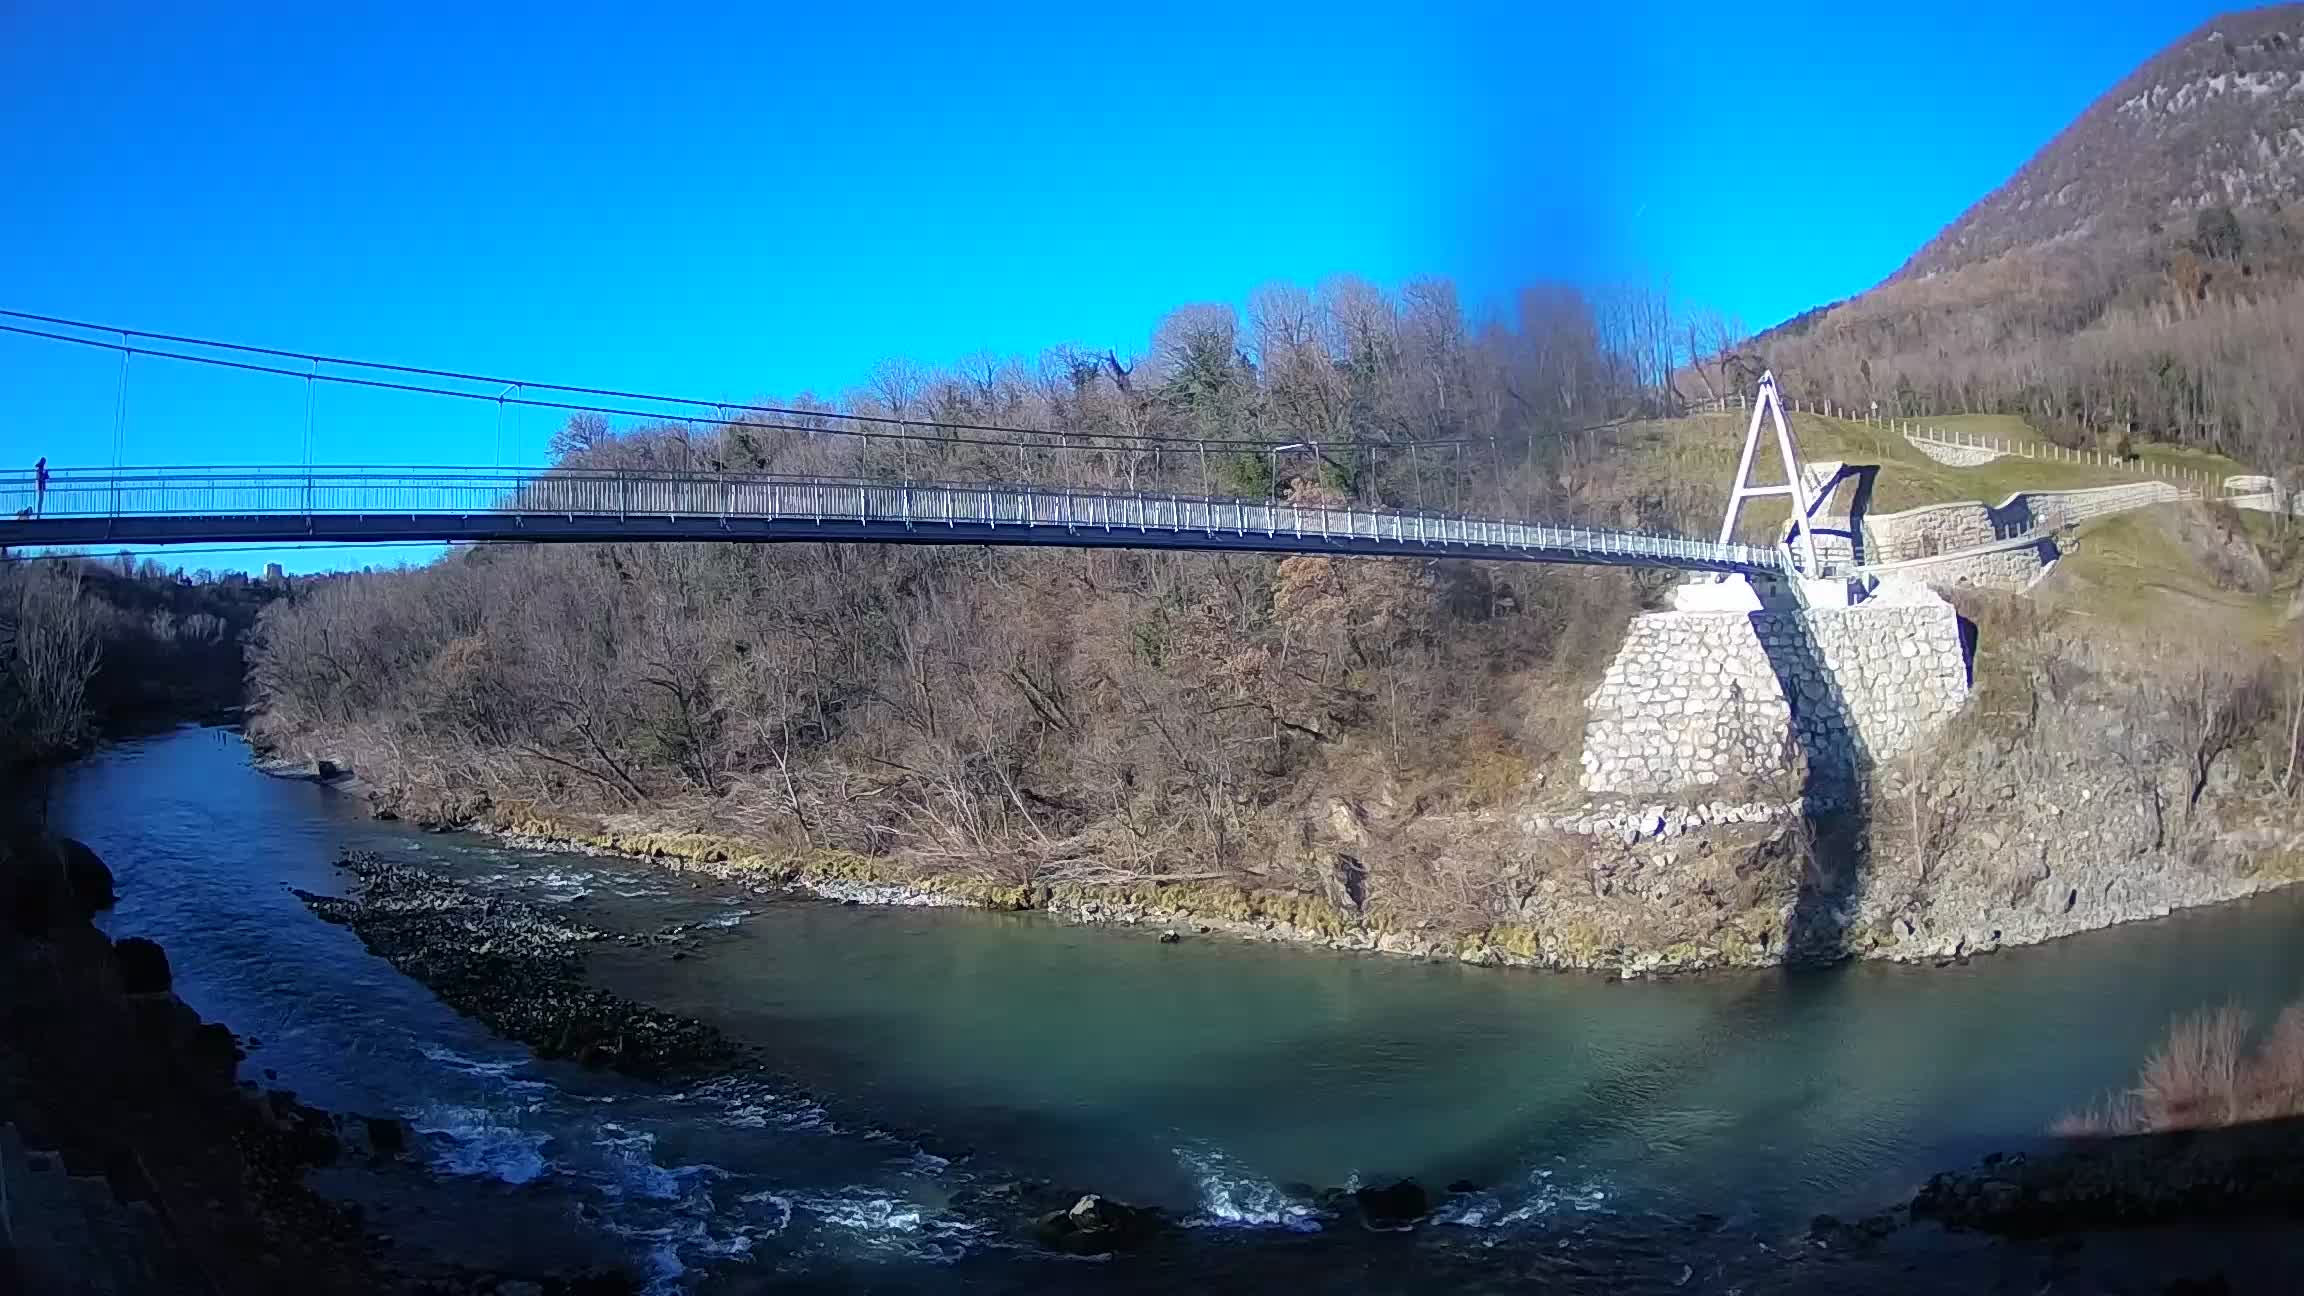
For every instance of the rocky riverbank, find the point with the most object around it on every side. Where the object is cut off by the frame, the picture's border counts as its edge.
(133, 1157)
(516, 968)
(1382, 1234)
(519, 969)
(2252, 1172)
(1663, 891)
(2086, 781)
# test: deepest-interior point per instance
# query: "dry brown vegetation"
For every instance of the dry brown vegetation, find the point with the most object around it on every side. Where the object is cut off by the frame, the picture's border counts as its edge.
(2112, 341)
(2190, 127)
(2212, 1070)
(48, 653)
(103, 647)
(1034, 716)
(1328, 729)
(2137, 278)
(1040, 716)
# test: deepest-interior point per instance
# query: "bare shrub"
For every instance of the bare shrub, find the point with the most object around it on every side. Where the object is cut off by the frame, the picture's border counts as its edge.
(49, 651)
(2215, 707)
(2203, 1075)
(2194, 1078)
(1042, 715)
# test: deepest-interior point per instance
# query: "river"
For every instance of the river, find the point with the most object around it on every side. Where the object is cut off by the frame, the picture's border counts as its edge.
(930, 1052)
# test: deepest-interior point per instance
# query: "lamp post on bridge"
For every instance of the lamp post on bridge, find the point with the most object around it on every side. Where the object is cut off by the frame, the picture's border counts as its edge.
(1292, 447)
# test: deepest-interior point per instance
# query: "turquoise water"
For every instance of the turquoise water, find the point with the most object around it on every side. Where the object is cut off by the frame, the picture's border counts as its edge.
(928, 1052)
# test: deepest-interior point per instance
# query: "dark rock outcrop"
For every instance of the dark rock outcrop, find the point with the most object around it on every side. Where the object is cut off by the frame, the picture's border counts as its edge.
(2253, 1171)
(127, 1112)
(1397, 1205)
(108, 1075)
(51, 882)
(1097, 1225)
(387, 1135)
(143, 967)
(89, 879)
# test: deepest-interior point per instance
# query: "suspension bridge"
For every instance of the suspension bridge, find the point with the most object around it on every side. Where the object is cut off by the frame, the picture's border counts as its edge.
(174, 504)
(159, 506)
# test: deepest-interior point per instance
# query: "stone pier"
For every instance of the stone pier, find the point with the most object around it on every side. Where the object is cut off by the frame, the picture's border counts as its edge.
(1701, 698)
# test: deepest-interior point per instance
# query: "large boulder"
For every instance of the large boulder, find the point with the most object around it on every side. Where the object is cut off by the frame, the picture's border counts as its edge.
(47, 883)
(143, 967)
(1097, 1226)
(385, 1136)
(31, 899)
(1395, 1206)
(86, 874)
(210, 1059)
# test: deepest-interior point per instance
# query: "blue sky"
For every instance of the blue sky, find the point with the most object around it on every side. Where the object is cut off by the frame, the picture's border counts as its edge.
(752, 202)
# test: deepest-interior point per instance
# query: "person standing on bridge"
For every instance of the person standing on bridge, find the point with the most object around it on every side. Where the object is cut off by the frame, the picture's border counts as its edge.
(40, 486)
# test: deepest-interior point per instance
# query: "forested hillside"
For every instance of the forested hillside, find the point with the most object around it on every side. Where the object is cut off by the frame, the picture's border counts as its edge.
(1399, 399)
(1306, 726)
(90, 648)
(1348, 748)
(1083, 714)
(2140, 277)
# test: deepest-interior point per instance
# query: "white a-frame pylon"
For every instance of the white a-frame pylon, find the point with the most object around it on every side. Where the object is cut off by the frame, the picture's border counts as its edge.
(1795, 485)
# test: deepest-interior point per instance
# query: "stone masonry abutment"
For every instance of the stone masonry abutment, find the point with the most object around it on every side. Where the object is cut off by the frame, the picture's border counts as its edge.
(1698, 699)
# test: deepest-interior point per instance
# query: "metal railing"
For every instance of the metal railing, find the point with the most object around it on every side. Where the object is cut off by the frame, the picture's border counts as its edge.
(1962, 448)
(828, 505)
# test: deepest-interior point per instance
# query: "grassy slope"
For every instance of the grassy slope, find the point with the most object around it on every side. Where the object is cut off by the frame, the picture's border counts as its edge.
(1709, 443)
(2136, 569)
(1909, 478)
(1691, 461)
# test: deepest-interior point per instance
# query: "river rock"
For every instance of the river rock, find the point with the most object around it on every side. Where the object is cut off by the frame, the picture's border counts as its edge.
(87, 875)
(143, 967)
(1397, 1205)
(2254, 1170)
(518, 969)
(372, 1137)
(1097, 1225)
(50, 883)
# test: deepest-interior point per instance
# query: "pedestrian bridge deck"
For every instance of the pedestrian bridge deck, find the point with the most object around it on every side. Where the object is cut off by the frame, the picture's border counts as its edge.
(150, 506)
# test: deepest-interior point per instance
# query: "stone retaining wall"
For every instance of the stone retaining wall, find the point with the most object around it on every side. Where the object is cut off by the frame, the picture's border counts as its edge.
(2259, 493)
(2002, 567)
(1953, 454)
(1947, 528)
(1929, 530)
(1706, 698)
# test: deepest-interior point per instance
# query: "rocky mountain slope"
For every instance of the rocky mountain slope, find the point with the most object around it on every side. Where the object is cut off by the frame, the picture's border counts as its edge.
(2142, 277)
(2216, 119)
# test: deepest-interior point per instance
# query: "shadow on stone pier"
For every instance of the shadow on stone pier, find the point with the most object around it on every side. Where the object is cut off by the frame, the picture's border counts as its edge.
(1840, 532)
(1834, 770)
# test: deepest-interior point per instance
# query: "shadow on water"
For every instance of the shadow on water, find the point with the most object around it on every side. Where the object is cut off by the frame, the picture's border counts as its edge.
(1834, 769)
